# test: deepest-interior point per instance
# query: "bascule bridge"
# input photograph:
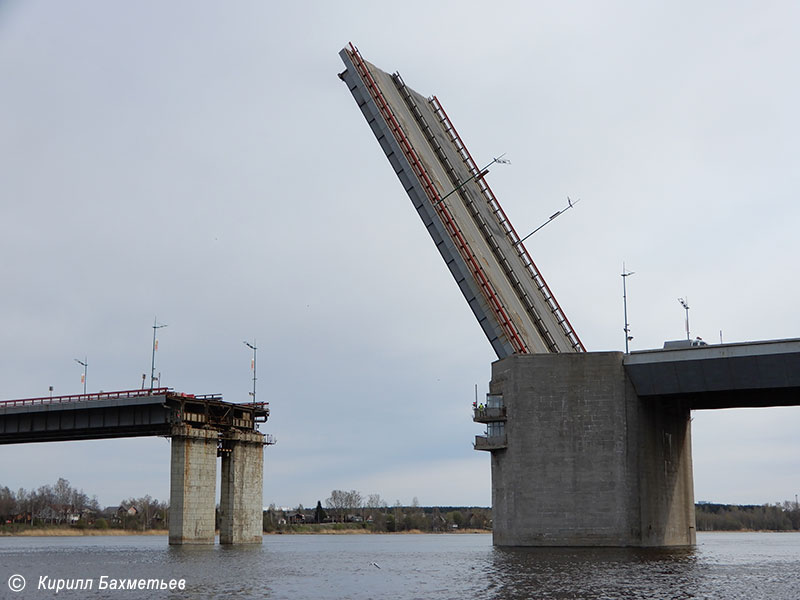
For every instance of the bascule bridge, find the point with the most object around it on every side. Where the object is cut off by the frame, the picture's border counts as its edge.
(587, 448)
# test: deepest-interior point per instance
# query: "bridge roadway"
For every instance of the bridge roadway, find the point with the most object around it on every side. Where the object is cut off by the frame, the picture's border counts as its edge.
(741, 375)
(201, 429)
(129, 413)
(594, 449)
(506, 292)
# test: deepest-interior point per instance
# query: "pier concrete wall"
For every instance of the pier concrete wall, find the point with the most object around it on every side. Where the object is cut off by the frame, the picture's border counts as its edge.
(587, 462)
(241, 509)
(193, 481)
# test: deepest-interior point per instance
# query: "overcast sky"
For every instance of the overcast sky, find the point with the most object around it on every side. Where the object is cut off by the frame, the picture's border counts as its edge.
(201, 163)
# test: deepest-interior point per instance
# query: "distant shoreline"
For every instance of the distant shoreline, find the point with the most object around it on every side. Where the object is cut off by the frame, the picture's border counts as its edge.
(354, 531)
(65, 532)
(55, 532)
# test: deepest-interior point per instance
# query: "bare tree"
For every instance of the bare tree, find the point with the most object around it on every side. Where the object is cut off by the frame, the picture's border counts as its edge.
(337, 504)
(355, 501)
(8, 504)
(342, 502)
(41, 502)
(79, 501)
(375, 501)
(62, 498)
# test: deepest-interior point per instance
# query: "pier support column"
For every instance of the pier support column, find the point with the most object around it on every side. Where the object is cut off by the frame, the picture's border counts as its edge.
(193, 480)
(240, 506)
(588, 462)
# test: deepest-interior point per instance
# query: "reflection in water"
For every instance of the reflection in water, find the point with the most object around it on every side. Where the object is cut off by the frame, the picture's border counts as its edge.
(743, 566)
(578, 573)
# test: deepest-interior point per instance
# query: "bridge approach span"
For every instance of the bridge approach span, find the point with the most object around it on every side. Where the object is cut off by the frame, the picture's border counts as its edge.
(741, 375)
(201, 429)
(130, 413)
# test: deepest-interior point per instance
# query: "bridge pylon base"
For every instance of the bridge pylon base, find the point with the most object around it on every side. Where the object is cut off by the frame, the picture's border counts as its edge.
(585, 461)
(240, 505)
(193, 480)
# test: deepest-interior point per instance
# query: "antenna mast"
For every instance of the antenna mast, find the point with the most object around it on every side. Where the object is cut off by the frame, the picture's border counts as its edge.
(153, 359)
(685, 304)
(253, 366)
(627, 329)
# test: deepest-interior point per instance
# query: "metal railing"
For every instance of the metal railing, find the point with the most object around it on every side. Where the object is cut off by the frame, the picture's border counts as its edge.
(85, 397)
(433, 196)
(514, 239)
(261, 405)
(488, 414)
(497, 442)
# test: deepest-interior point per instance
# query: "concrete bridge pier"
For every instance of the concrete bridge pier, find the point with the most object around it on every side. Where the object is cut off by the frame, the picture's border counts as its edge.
(193, 482)
(578, 459)
(240, 505)
(193, 479)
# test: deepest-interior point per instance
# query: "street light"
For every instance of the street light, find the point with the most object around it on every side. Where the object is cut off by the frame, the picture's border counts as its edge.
(85, 364)
(253, 366)
(570, 204)
(153, 359)
(479, 175)
(685, 305)
(627, 330)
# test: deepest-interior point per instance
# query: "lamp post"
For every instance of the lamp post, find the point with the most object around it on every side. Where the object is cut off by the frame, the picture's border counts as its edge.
(627, 329)
(480, 174)
(253, 366)
(570, 204)
(153, 359)
(685, 305)
(85, 364)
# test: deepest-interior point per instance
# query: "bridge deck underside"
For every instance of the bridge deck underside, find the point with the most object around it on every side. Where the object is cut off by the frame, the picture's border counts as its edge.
(85, 420)
(43, 420)
(758, 374)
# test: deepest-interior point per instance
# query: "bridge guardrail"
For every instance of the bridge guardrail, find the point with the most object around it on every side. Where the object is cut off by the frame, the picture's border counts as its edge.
(85, 397)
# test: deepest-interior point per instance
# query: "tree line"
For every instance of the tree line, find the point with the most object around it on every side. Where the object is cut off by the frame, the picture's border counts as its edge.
(351, 510)
(61, 504)
(783, 516)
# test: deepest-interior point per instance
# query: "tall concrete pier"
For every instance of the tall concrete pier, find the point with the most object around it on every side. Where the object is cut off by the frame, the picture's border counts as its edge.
(193, 483)
(240, 505)
(595, 449)
(193, 478)
(578, 459)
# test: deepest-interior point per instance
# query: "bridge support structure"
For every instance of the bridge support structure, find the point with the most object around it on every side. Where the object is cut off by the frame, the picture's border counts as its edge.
(201, 429)
(240, 505)
(578, 459)
(193, 479)
(193, 483)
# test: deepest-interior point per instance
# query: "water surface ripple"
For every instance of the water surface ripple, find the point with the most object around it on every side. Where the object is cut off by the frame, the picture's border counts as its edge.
(724, 566)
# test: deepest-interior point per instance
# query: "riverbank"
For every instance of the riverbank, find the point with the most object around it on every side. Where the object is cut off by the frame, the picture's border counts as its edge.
(73, 532)
(306, 530)
(355, 531)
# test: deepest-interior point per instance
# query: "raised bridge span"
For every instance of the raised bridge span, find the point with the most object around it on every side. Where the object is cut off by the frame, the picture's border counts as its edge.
(588, 448)
(201, 429)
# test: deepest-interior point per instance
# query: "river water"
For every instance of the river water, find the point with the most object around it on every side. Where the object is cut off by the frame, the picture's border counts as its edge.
(724, 566)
